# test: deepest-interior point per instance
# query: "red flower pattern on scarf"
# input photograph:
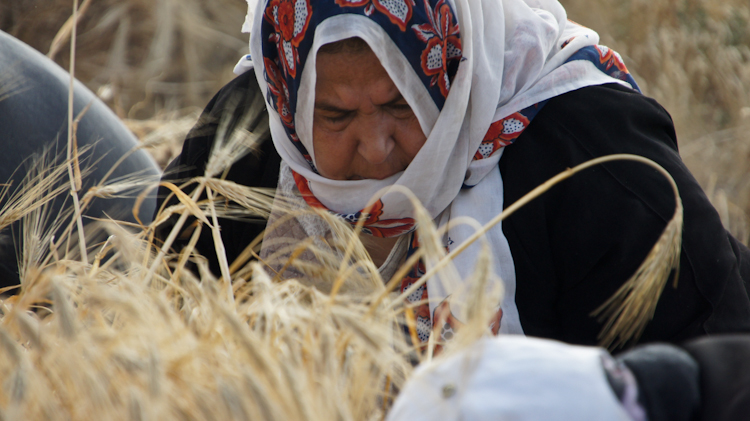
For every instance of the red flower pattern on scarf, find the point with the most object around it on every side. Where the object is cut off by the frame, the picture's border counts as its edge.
(443, 44)
(610, 58)
(501, 133)
(280, 92)
(398, 11)
(373, 225)
(289, 19)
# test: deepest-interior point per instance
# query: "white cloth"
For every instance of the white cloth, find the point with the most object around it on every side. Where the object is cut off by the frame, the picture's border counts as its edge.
(512, 58)
(245, 64)
(511, 378)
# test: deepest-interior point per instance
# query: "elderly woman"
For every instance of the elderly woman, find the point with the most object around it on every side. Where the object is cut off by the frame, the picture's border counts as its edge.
(470, 104)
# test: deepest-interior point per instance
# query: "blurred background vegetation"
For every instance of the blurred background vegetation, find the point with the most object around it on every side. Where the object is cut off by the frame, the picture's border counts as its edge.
(156, 63)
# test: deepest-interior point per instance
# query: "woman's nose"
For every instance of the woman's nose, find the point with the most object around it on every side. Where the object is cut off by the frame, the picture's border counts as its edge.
(375, 138)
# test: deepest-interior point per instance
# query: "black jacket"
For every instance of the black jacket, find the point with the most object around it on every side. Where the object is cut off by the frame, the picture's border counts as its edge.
(574, 246)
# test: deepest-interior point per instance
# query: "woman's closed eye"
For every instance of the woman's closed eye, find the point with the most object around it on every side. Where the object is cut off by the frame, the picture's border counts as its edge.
(334, 120)
(399, 108)
(337, 117)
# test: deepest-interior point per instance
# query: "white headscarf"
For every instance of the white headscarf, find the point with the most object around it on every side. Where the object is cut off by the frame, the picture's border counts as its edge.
(514, 55)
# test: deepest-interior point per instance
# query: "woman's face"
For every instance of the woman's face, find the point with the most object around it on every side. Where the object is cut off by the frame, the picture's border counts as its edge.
(362, 126)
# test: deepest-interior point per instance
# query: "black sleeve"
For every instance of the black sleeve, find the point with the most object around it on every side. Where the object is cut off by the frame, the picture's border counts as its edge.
(259, 168)
(706, 379)
(577, 244)
(668, 381)
(724, 362)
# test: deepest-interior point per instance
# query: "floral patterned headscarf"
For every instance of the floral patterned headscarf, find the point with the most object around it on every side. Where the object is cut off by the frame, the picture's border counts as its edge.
(475, 73)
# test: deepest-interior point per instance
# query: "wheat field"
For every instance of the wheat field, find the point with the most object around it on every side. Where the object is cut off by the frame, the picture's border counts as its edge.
(136, 336)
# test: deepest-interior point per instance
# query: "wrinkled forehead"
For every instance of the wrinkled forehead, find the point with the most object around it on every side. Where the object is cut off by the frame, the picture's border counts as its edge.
(418, 42)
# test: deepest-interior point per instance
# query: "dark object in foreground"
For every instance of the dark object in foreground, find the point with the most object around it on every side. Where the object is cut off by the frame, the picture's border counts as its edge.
(704, 379)
(34, 115)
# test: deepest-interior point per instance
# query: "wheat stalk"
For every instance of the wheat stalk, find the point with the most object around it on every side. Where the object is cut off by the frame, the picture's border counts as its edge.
(632, 307)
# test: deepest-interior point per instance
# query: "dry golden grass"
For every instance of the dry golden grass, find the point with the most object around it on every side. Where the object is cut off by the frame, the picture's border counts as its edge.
(135, 335)
(97, 343)
(163, 134)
